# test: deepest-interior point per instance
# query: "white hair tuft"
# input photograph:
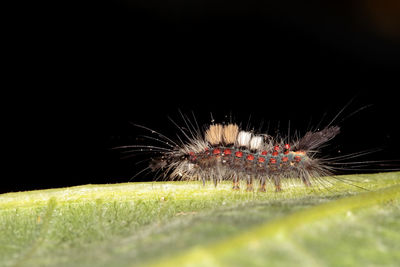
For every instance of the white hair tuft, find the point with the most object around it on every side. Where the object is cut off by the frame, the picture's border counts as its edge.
(243, 139)
(256, 143)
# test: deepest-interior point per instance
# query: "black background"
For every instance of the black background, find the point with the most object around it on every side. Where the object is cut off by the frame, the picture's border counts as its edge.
(96, 68)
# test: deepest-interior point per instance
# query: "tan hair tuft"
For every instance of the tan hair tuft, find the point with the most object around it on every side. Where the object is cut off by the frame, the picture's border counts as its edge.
(230, 133)
(214, 134)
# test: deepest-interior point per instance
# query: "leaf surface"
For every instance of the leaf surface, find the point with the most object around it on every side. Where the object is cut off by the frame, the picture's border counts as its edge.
(186, 224)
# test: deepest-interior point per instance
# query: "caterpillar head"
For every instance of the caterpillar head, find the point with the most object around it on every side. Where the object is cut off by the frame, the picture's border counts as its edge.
(168, 161)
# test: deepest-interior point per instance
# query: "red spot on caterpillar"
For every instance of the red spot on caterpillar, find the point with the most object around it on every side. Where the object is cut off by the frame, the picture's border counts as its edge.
(287, 146)
(297, 158)
(261, 159)
(227, 152)
(192, 156)
(272, 160)
(250, 157)
(285, 159)
(216, 151)
(276, 148)
(286, 152)
(239, 154)
(264, 153)
(275, 153)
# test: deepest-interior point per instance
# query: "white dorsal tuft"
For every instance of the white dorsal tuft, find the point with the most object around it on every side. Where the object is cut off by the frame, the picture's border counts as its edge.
(256, 143)
(243, 139)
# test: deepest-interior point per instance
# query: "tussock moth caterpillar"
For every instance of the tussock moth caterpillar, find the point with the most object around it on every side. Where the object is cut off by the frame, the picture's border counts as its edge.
(226, 151)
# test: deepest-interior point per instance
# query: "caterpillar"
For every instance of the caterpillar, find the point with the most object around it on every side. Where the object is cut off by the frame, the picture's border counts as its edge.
(226, 152)
(251, 159)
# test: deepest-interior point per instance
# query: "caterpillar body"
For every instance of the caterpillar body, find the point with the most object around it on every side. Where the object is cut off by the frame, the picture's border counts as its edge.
(226, 152)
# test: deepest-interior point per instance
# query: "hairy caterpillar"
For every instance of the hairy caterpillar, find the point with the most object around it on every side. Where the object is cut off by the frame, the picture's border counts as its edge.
(224, 151)
(252, 157)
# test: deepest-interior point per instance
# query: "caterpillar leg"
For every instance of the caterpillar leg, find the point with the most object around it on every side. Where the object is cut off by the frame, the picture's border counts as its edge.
(277, 182)
(235, 183)
(215, 179)
(249, 183)
(217, 176)
(262, 185)
(306, 179)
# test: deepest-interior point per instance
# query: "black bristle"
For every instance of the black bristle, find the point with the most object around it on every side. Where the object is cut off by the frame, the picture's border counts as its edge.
(312, 140)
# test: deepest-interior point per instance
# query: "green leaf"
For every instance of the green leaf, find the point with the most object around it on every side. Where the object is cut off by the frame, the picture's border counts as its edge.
(184, 223)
